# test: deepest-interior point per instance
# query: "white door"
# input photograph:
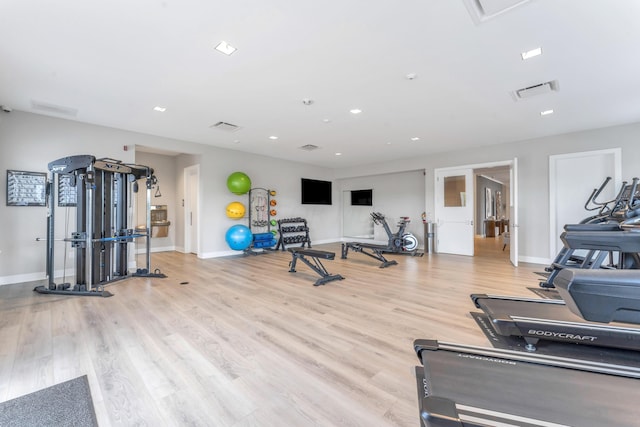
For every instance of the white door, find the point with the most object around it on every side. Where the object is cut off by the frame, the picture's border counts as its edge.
(454, 211)
(191, 191)
(513, 213)
(572, 178)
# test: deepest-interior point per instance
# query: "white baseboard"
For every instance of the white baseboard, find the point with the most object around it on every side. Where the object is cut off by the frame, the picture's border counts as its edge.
(218, 254)
(21, 278)
(534, 260)
(160, 249)
(35, 277)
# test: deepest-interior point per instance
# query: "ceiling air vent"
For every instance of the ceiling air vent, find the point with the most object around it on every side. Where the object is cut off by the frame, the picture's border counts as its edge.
(53, 108)
(483, 10)
(309, 147)
(228, 127)
(535, 90)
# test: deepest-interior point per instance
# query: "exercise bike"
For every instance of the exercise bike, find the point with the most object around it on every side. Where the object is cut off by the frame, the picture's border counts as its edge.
(400, 242)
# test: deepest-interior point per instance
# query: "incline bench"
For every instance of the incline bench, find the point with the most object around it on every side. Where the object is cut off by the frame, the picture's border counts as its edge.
(376, 252)
(301, 254)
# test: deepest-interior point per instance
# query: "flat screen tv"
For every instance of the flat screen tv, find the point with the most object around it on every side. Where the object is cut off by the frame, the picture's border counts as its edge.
(316, 192)
(361, 197)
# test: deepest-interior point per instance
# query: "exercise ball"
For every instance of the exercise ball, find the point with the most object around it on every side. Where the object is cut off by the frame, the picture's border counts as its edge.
(238, 237)
(239, 183)
(235, 210)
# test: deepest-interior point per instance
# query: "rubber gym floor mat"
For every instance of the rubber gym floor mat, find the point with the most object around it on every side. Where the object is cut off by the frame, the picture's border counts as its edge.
(554, 348)
(546, 293)
(65, 404)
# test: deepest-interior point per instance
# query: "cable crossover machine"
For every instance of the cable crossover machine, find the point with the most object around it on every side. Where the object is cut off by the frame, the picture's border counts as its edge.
(103, 190)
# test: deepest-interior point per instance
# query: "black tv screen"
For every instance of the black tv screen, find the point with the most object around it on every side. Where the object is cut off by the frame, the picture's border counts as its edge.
(361, 197)
(316, 192)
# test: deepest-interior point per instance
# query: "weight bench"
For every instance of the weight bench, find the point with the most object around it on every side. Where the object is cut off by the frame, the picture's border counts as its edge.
(376, 252)
(315, 255)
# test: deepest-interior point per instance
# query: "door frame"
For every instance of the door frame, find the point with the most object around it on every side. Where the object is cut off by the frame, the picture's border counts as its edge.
(513, 225)
(191, 174)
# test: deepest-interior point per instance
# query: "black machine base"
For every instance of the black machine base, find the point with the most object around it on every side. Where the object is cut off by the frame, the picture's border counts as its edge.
(143, 272)
(71, 291)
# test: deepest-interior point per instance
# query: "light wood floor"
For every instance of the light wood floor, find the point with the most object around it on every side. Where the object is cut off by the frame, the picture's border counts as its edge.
(246, 343)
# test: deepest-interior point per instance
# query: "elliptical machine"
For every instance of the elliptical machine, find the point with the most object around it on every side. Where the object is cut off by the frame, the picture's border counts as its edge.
(400, 242)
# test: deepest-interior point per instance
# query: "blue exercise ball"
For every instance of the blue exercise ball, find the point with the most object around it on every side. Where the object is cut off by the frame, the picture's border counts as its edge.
(239, 237)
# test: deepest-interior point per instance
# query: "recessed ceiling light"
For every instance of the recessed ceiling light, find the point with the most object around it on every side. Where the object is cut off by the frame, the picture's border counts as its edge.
(546, 112)
(338, 154)
(411, 76)
(415, 138)
(326, 120)
(225, 48)
(531, 53)
(355, 111)
(273, 137)
(388, 143)
(159, 108)
(236, 141)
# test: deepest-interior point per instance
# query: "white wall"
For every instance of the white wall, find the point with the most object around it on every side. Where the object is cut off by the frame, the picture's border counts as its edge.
(533, 167)
(395, 195)
(29, 142)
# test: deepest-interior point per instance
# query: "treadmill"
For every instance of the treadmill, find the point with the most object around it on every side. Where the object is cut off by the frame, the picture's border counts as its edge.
(604, 312)
(474, 386)
(613, 216)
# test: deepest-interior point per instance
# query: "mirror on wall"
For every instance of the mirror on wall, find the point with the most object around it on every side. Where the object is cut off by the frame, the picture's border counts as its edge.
(356, 218)
(455, 193)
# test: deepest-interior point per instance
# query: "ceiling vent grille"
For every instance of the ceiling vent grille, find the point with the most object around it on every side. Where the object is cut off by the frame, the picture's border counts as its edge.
(227, 127)
(53, 108)
(483, 10)
(535, 90)
(309, 147)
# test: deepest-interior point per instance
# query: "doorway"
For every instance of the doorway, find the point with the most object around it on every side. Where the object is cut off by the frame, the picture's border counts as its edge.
(463, 241)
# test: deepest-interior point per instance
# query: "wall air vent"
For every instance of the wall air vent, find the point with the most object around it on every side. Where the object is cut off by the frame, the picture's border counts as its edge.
(483, 10)
(46, 107)
(535, 90)
(309, 147)
(227, 127)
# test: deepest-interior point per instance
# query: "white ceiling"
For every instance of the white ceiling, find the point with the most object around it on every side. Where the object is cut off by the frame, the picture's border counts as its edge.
(111, 62)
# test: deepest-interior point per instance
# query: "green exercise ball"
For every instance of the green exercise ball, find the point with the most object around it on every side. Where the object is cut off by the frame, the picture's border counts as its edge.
(239, 183)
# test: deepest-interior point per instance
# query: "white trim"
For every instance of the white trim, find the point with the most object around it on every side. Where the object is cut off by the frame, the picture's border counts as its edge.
(21, 278)
(193, 170)
(479, 165)
(159, 249)
(33, 277)
(535, 260)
